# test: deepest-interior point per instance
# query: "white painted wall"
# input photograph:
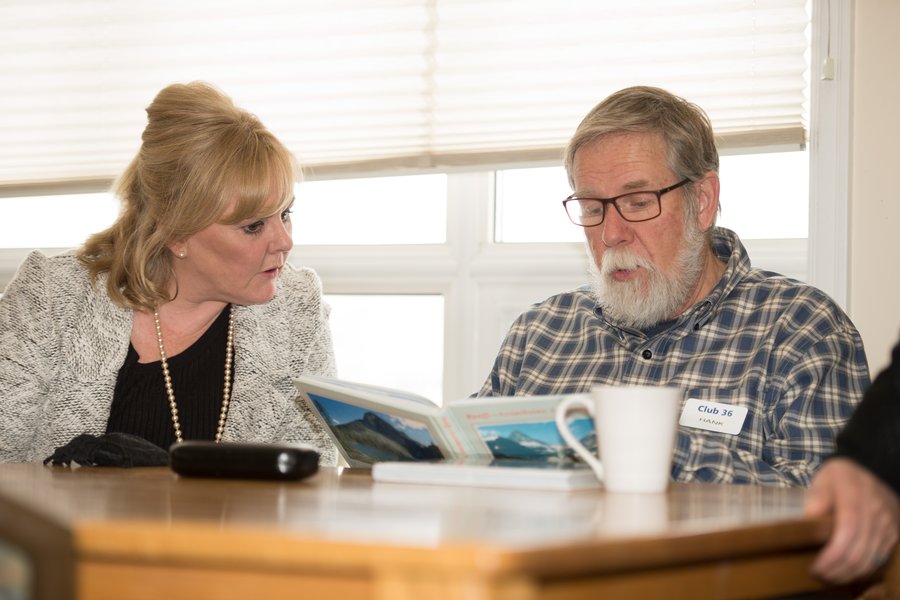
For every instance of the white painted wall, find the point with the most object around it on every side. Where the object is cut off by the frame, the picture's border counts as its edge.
(874, 295)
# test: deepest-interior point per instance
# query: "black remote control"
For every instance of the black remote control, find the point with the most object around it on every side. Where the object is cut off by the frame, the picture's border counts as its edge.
(243, 460)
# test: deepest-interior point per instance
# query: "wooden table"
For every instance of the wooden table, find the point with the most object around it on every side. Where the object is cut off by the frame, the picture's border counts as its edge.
(146, 533)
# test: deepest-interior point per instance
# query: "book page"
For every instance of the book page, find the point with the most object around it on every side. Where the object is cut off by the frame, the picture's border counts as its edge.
(376, 393)
(520, 427)
(367, 427)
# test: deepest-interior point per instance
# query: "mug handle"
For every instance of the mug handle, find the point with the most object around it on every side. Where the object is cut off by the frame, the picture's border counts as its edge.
(561, 411)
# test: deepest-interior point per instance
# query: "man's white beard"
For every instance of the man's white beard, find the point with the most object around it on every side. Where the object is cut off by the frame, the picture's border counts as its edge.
(626, 302)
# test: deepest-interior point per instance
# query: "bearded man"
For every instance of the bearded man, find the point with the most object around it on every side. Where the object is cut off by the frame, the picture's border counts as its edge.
(673, 300)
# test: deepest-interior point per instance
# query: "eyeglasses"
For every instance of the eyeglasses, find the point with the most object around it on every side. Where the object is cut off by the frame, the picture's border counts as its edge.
(634, 206)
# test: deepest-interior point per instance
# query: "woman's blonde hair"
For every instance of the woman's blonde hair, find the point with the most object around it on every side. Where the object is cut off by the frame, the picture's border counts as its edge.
(200, 157)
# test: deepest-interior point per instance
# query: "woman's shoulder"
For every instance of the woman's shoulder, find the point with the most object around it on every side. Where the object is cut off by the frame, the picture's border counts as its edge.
(299, 282)
(45, 271)
(297, 312)
(63, 262)
(299, 292)
(58, 289)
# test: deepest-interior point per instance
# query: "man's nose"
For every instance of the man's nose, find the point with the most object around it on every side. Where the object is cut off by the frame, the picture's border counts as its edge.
(616, 230)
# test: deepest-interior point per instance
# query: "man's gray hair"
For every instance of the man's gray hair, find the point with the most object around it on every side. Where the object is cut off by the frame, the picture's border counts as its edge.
(685, 128)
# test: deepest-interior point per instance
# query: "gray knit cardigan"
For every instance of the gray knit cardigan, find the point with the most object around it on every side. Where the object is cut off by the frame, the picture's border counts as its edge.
(62, 343)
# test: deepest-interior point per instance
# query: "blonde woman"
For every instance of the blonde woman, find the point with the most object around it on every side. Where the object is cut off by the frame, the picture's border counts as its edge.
(183, 320)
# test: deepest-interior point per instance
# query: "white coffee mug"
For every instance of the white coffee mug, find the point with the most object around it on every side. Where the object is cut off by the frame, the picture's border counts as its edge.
(635, 428)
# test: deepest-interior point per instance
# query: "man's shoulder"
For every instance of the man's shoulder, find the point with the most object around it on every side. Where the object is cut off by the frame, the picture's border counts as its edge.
(767, 290)
(565, 305)
(578, 298)
(770, 283)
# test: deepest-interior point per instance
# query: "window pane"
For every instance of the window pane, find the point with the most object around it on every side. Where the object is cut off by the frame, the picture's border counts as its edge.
(529, 206)
(390, 340)
(765, 196)
(376, 210)
(62, 221)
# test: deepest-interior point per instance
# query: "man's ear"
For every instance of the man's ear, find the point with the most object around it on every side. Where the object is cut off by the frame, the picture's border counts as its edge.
(707, 192)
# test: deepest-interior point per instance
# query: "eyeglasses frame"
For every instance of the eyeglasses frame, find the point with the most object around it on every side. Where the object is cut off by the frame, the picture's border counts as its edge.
(607, 201)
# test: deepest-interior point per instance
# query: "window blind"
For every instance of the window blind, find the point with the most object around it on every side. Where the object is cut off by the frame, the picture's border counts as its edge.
(363, 86)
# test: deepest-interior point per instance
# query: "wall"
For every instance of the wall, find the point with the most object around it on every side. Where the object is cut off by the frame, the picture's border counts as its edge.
(874, 298)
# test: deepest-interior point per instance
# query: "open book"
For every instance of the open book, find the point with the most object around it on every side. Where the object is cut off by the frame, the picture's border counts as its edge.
(370, 424)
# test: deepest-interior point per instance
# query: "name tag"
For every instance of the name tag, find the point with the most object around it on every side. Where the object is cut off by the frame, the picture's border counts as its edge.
(713, 416)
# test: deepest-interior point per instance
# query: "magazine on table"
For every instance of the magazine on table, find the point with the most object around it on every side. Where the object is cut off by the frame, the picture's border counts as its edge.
(371, 424)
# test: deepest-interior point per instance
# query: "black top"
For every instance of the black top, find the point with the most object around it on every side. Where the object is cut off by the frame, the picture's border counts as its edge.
(872, 436)
(140, 405)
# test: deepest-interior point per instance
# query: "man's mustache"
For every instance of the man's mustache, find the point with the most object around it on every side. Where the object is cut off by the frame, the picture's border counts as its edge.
(619, 259)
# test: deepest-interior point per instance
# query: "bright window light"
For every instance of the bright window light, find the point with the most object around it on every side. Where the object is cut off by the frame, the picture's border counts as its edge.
(394, 341)
(62, 221)
(763, 196)
(377, 210)
(529, 206)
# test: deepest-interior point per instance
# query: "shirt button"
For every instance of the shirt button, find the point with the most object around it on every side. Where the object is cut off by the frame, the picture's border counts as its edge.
(647, 354)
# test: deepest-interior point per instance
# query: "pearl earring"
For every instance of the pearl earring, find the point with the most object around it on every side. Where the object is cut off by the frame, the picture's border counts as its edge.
(181, 254)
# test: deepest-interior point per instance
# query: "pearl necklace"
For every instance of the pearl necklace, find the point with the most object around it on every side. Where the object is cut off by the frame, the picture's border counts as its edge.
(170, 392)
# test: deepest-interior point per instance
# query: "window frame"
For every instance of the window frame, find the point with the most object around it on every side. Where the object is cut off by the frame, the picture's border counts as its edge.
(485, 285)
(829, 167)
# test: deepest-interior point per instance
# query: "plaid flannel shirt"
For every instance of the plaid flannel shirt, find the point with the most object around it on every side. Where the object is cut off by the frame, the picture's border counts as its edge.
(779, 347)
